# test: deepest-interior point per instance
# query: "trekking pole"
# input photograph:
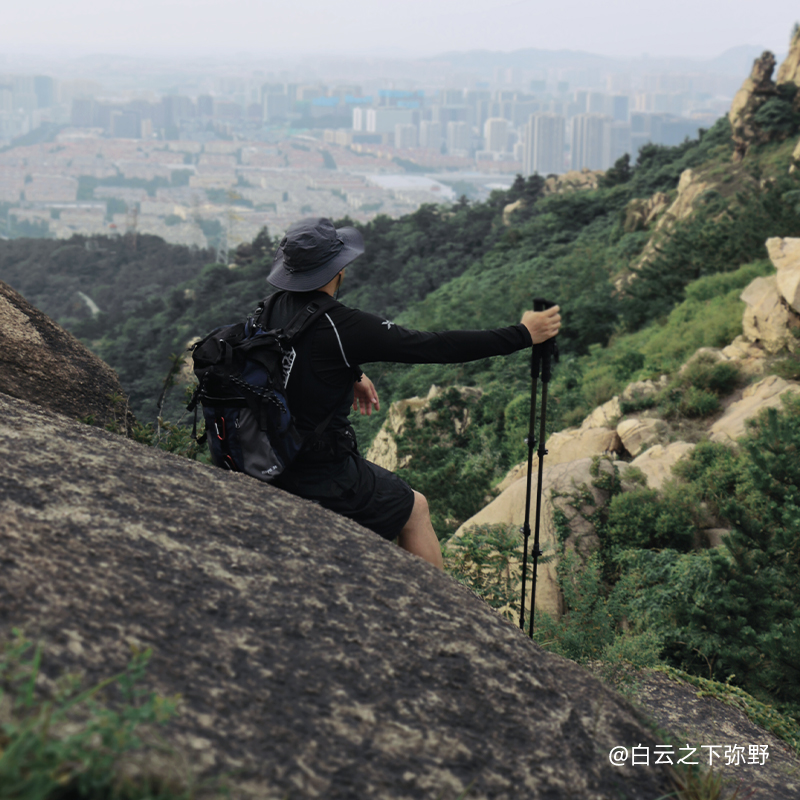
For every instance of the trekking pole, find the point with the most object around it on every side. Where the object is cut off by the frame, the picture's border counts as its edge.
(541, 355)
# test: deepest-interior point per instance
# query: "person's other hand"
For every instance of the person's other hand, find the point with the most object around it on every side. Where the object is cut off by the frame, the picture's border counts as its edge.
(365, 396)
(542, 325)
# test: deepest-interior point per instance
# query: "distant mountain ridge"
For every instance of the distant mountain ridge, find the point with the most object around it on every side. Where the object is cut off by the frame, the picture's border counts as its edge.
(734, 61)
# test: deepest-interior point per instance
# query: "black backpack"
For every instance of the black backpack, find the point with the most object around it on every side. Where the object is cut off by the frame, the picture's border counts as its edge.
(242, 370)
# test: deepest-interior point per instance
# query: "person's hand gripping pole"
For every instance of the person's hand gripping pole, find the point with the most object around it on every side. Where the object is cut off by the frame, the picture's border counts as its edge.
(543, 324)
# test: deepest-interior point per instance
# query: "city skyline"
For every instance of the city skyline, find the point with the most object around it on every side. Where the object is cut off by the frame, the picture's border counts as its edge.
(414, 29)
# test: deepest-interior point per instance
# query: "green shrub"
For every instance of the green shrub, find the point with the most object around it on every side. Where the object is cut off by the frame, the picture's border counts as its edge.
(719, 377)
(587, 627)
(695, 391)
(777, 116)
(643, 519)
(640, 403)
(487, 558)
(698, 403)
(72, 744)
(739, 616)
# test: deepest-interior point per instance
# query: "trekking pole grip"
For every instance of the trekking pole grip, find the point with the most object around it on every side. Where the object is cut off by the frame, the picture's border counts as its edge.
(548, 349)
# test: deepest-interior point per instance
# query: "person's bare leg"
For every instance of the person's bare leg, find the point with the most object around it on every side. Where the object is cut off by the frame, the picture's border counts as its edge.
(418, 536)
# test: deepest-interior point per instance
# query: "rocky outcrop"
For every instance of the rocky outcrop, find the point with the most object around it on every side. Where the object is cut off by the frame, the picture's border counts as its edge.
(383, 450)
(561, 483)
(795, 157)
(313, 658)
(767, 318)
(640, 212)
(749, 356)
(755, 91)
(789, 70)
(573, 181)
(43, 363)
(691, 186)
(785, 256)
(640, 390)
(638, 433)
(694, 715)
(571, 444)
(656, 462)
(604, 416)
(509, 210)
(757, 397)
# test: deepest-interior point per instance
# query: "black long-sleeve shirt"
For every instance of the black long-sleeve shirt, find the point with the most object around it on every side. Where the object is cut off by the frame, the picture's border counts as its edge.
(329, 356)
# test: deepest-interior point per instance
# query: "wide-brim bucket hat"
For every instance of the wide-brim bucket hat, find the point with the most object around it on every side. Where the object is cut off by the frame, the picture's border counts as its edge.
(311, 254)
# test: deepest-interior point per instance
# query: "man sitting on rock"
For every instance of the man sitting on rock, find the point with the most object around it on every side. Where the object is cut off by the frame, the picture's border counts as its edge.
(325, 380)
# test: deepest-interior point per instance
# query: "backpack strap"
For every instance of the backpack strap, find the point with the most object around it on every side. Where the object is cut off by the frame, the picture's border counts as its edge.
(300, 321)
(306, 316)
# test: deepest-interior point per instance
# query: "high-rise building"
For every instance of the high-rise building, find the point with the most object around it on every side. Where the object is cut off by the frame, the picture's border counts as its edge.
(495, 133)
(275, 107)
(616, 142)
(430, 134)
(126, 124)
(543, 150)
(587, 141)
(45, 88)
(596, 103)
(458, 138)
(452, 97)
(620, 104)
(82, 112)
(383, 120)
(205, 105)
(23, 88)
(176, 108)
(405, 135)
(6, 100)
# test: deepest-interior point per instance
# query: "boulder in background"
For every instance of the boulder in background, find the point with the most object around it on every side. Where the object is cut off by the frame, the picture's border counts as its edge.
(44, 364)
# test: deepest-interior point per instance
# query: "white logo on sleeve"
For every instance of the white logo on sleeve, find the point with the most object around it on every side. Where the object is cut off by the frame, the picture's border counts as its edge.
(387, 324)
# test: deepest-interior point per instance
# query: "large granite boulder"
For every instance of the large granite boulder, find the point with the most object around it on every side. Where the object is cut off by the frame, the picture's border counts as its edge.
(656, 462)
(749, 356)
(606, 415)
(43, 363)
(785, 255)
(313, 658)
(568, 488)
(766, 318)
(571, 444)
(639, 433)
(766, 393)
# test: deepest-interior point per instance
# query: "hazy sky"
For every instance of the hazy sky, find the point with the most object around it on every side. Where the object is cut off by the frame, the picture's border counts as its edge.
(694, 28)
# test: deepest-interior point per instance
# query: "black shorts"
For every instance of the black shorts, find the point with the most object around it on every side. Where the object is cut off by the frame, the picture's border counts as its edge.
(355, 488)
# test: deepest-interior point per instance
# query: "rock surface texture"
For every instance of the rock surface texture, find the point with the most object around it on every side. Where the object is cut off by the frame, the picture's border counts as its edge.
(639, 433)
(700, 721)
(766, 318)
(43, 363)
(789, 70)
(314, 659)
(785, 255)
(756, 89)
(657, 462)
(756, 397)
